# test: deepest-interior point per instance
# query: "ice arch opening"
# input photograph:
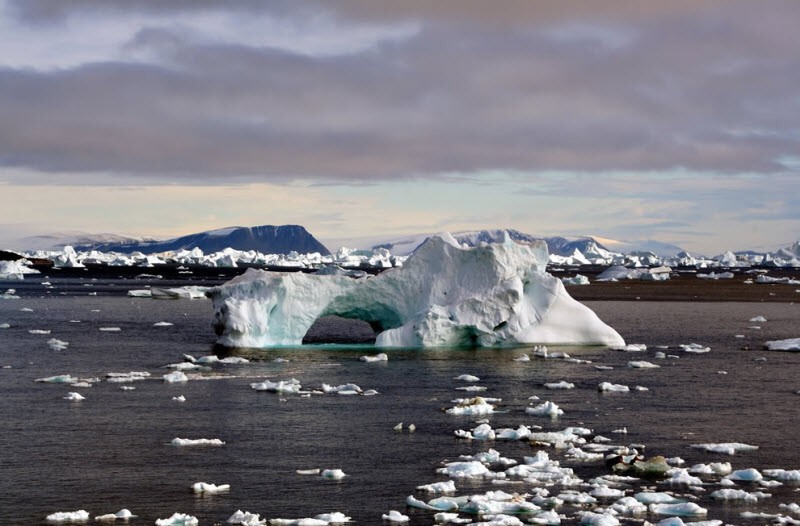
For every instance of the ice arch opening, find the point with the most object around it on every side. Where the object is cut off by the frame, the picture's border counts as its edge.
(336, 329)
(445, 294)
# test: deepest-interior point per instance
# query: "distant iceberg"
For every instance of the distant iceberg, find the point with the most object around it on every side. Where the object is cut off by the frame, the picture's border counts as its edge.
(445, 294)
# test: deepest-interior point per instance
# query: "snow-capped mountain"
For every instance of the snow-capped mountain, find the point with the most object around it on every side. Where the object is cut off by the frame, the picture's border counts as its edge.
(267, 239)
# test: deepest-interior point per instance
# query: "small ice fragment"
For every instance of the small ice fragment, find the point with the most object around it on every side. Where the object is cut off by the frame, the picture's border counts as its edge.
(123, 514)
(39, 331)
(631, 347)
(245, 518)
(175, 377)
(5, 326)
(683, 509)
(472, 388)
(282, 386)
(622, 431)
(180, 398)
(76, 397)
(206, 488)
(110, 329)
(382, 357)
(313, 471)
(395, 516)
(467, 378)
(607, 386)
(197, 442)
(57, 345)
(68, 516)
(560, 385)
(178, 519)
(333, 474)
(746, 475)
(472, 406)
(523, 358)
(603, 367)
(545, 409)
(439, 487)
(757, 319)
(398, 427)
(727, 448)
(694, 348)
(127, 387)
(642, 365)
(411, 428)
(792, 344)
(370, 392)
(162, 324)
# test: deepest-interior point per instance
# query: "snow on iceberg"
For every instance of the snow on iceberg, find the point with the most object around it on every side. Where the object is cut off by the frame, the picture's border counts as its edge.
(444, 294)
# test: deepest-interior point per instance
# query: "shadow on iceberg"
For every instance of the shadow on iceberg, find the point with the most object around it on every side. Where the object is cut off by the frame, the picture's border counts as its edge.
(444, 295)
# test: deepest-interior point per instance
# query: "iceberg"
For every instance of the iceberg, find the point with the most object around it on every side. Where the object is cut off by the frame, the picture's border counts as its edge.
(445, 294)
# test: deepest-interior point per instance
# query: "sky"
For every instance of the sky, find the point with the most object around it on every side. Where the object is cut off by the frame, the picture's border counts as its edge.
(677, 121)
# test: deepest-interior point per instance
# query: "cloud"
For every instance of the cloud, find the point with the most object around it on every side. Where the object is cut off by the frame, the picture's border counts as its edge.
(428, 90)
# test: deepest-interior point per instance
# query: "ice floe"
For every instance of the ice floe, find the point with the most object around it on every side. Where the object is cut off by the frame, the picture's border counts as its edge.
(178, 519)
(545, 409)
(380, 357)
(123, 514)
(472, 406)
(791, 344)
(175, 377)
(210, 489)
(197, 442)
(68, 516)
(75, 397)
(726, 448)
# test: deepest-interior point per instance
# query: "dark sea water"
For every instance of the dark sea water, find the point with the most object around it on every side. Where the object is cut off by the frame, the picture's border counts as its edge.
(112, 450)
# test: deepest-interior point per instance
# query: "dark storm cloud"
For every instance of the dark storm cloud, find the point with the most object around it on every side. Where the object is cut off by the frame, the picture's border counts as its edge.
(707, 86)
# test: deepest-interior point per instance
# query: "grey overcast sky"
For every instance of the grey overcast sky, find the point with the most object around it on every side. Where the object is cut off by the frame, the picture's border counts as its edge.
(675, 120)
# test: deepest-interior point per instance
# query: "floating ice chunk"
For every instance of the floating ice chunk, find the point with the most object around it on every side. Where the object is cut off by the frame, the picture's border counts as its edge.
(648, 497)
(714, 468)
(522, 358)
(520, 433)
(467, 378)
(631, 347)
(175, 377)
(684, 509)
(449, 518)
(792, 508)
(783, 474)
(341, 389)
(544, 409)
(629, 506)
(39, 331)
(599, 519)
(680, 476)
(738, 494)
(313, 471)
(5, 326)
(757, 319)
(178, 519)
(110, 329)
(245, 518)
(132, 376)
(57, 345)
(579, 279)
(439, 487)
(373, 392)
(162, 324)
(642, 365)
(197, 442)
(68, 516)
(180, 398)
(694, 348)
(203, 487)
(458, 470)
(333, 474)
(58, 379)
(716, 275)
(727, 448)
(282, 386)
(395, 516)
(382, 357)
(472, 388)
(473, 407)
(560, 385)
(792, 344)
(76, 397)
(608, 386)
(746, 475)
(123, 514)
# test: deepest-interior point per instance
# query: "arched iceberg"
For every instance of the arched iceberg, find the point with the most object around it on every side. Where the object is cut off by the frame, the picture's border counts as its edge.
(445, 294)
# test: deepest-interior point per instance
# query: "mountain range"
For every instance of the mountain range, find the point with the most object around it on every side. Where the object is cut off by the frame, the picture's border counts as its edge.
(267, 239)
(270, 239)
